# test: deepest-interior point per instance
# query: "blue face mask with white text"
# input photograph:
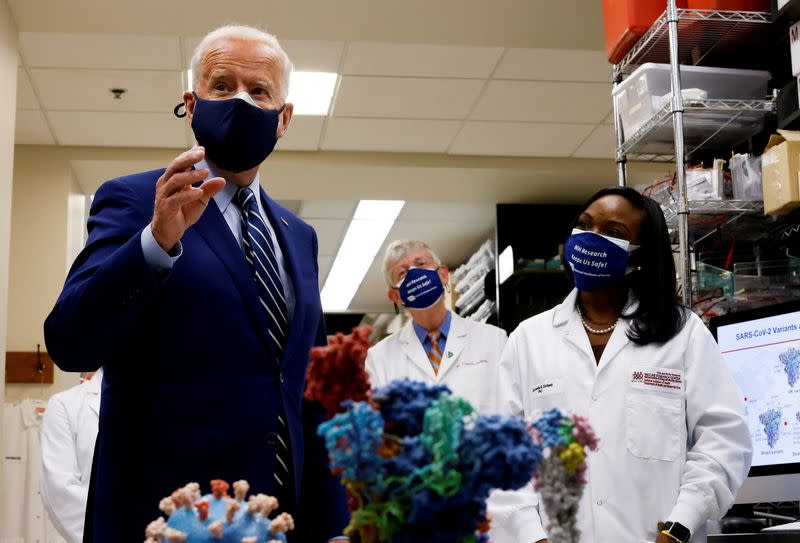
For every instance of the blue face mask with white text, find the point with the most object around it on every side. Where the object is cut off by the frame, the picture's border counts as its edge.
(421, 288)
(596, 260)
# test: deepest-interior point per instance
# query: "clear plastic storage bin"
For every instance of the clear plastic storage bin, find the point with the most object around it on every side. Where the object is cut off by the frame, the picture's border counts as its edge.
(648, 89)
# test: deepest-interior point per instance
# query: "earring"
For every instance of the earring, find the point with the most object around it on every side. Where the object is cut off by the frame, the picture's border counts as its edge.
(396, 310)
(447, 287)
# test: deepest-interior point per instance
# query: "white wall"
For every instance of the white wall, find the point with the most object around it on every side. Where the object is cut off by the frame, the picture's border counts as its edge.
(46, 232)
(8, 100)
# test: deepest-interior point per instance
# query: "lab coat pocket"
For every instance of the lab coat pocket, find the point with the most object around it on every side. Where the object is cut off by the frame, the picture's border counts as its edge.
(546, 394)
(653, 426)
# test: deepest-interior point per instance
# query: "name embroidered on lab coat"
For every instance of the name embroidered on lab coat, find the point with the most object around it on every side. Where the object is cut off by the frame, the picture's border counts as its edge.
(547, 388)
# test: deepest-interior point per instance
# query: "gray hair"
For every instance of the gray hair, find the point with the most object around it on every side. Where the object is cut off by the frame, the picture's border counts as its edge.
(399, 249)
(241, 32)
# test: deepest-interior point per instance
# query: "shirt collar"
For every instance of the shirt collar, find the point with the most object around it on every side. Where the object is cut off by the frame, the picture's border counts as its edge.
(444, 329)
(31, 416)
(225, 196)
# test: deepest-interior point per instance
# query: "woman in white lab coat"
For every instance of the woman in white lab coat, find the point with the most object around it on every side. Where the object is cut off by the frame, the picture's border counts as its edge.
(674, 444)
(436, 346)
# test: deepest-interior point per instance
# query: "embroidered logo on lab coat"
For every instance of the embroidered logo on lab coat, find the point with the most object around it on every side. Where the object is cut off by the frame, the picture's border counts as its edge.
(661, 379)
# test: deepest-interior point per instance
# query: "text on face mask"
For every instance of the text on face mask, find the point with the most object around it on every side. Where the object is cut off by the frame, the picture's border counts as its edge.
(414, 287)
(594, 254)
(587, 262)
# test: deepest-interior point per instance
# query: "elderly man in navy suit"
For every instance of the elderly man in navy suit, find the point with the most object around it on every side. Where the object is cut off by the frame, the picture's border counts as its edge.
(199, 295)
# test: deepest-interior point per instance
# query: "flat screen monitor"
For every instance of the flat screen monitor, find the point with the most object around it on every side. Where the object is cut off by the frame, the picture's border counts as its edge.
(761, 347)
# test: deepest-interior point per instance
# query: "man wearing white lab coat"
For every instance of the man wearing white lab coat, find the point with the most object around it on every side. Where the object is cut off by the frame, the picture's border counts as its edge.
(69, 431)
(436, 346)
(671, 448)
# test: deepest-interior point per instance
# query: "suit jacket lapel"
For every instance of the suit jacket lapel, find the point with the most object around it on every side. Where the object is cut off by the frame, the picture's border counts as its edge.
(216, 232)
(290, 259)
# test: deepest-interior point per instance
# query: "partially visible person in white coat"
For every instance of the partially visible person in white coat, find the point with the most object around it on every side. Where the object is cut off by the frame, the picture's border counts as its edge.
(436, 346)
(674, 444)
(69, 431)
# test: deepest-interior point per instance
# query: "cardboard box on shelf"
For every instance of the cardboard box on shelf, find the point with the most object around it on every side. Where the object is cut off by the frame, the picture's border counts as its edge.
(794, 47)
(780, 165)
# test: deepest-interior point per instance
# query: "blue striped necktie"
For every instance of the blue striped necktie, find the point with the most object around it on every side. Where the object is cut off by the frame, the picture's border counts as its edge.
(260, 255)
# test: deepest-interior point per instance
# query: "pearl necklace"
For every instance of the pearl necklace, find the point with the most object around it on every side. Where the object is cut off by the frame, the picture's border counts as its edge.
(595, 331)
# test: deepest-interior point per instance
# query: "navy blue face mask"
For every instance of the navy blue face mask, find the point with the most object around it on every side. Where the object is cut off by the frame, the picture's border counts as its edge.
(236, 134)
(596, 260)
(420, 288)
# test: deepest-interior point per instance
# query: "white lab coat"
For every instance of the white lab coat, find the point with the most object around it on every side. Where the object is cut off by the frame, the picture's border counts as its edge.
(23, 518)
(673, 446)
(469, 362)
(69, 432)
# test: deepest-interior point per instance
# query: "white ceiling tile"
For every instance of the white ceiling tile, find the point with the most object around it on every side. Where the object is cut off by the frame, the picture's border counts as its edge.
(371, 294)
(520, 139)
(314, 55)
(609, 118)
(454, 242)
(328, 209)
(303, 134)
(53, 50)
(89, 90)
(26, 99)
(93, 173)
(330, 233)
(293, 206)
(188, 45)
(417, 60)
(389, 135)
(544, 102)
(449, 212)
(600, 144)
(325, 263)
(31, 128)
(554, 65)
(118, 129)
(306, 55)
(407, 98)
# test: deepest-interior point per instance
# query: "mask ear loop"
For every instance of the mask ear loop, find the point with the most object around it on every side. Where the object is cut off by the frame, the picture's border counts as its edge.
(176, 110)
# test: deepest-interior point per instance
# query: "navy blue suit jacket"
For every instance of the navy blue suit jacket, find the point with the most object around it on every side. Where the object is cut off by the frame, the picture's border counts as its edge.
(191, 391)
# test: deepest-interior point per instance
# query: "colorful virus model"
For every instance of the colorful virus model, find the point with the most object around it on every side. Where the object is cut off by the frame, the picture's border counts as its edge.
(560, 479)
(218, 518)
(418, 464)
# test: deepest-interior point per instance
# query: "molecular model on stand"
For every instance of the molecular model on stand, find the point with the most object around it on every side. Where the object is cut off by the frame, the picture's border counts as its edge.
(418, 463)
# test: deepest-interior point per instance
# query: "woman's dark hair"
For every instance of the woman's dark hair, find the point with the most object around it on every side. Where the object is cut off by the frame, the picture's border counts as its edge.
(659, 316)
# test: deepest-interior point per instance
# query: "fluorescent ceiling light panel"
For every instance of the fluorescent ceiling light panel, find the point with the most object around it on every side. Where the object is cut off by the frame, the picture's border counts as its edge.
(312, 92)
(371, 224)
(189, 80)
